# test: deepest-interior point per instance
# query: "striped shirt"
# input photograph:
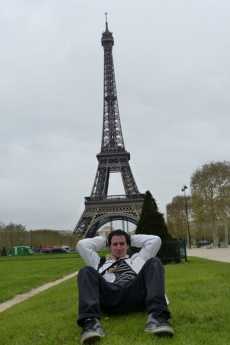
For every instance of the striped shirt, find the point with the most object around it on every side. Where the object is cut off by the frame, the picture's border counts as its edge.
(123, 273)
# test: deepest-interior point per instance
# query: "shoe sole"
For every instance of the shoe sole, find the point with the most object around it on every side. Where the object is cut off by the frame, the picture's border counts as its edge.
(91, 338)
(162, 331)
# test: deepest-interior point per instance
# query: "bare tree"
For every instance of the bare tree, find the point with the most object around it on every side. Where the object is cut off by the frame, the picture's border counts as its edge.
(210, 186)
(176, 216)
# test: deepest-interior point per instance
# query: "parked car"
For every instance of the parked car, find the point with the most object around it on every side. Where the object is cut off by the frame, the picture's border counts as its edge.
(202, 243)
(46, 250)
(53, 250)
(59, 250)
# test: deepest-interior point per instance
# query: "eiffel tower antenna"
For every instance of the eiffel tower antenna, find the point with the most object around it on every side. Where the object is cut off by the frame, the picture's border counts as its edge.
(106, 20)
(101, 208)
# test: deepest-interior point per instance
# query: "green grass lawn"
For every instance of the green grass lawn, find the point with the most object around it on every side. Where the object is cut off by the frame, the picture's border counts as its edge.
(20, 274)
(199, 293)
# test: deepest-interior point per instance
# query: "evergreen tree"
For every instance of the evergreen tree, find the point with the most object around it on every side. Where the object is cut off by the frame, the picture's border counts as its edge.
(151, 220)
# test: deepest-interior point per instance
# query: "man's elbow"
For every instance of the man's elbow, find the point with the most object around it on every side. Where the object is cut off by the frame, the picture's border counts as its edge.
(157, 244)
(80, 245)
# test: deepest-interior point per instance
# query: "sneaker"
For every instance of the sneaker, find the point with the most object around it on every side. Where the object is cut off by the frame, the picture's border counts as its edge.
(91, 332)
(159, 326)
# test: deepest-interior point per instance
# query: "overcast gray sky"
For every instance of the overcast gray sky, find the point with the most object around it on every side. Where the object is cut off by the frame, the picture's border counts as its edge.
(173, 79)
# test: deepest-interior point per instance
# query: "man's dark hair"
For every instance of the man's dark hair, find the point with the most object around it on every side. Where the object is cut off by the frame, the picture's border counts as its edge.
(119, 232)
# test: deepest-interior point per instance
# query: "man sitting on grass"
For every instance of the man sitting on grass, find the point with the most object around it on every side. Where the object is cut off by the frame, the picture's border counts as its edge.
(121, 283)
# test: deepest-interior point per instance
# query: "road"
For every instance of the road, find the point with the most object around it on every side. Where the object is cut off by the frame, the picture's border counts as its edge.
(217, 254)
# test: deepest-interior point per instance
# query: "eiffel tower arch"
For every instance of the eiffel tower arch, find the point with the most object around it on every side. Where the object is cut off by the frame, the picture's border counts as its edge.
(100, 207)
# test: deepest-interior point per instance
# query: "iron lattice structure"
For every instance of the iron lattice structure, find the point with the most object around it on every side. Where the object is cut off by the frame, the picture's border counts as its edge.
(101, 208)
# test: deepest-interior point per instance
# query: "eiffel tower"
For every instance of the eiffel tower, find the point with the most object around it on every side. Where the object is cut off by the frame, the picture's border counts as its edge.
(101, 208)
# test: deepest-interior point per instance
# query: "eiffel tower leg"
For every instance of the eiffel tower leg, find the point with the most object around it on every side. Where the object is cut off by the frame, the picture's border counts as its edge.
(128, 180)
(101, 182)
(83, 223)
(86, 225)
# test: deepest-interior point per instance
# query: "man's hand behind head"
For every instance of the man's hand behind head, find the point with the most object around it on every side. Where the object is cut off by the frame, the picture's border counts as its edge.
(104, 231)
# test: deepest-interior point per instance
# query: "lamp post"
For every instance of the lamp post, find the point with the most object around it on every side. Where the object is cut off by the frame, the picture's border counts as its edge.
(186, 214)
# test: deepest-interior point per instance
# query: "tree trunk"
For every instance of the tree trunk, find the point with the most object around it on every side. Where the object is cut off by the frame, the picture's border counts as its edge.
(226, 234)
(215, 236)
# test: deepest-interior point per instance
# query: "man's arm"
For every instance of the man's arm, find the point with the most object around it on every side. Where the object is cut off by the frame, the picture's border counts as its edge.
(88, 248)
(149, 245)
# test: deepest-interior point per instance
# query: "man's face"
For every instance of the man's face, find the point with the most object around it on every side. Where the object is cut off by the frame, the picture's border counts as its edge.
(118, 247)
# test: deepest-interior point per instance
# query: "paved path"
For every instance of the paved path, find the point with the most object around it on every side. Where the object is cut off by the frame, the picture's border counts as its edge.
(22, 297)
(217, 254)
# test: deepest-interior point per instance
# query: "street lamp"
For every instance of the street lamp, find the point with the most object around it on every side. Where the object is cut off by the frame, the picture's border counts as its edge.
(186, 214)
